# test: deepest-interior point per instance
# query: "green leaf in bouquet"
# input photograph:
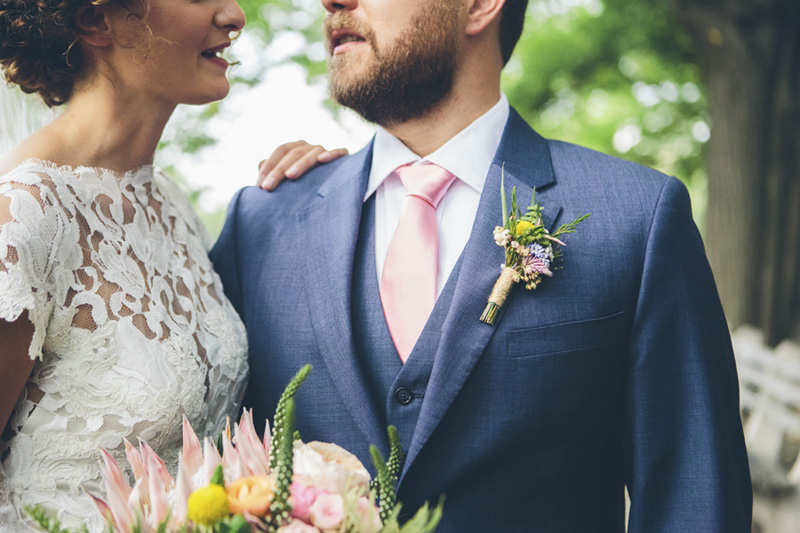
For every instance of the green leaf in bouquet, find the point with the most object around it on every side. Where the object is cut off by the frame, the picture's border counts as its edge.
(139, 519)
(218, 477)
(395, 462)
(282, 449)
(387, 474)
(280, 508)
(235, 524)
(392, 524)
(280, 411)
(387, 498)
(47, 522)
(425, 520)
(503, 195)
(162, 526)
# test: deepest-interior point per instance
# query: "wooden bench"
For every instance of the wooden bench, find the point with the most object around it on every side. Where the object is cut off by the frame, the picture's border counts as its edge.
(769, 382)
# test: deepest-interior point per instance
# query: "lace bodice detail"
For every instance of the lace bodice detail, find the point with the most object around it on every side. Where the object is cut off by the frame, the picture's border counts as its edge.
(132, 330)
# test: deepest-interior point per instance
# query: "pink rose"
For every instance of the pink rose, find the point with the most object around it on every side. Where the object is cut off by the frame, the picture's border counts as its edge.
(297, 526)
(327, 511)
(302, 499)
(369, 515)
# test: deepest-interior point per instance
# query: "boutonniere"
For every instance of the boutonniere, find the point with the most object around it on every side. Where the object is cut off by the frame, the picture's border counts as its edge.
(530, 249)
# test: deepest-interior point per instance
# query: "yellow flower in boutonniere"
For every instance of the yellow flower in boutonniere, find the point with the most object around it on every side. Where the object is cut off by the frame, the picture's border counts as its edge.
(529, 249)
(523, 228)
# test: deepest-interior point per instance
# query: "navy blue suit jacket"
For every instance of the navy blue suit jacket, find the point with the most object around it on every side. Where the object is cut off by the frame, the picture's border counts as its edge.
(615, 372)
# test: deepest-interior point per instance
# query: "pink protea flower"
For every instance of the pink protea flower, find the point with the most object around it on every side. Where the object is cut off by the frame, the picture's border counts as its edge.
(118, 492)
(254, 453)
(154, 491)
(192, 456)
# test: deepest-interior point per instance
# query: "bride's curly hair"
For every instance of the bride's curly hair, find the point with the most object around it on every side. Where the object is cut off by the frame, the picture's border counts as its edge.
(39, 39)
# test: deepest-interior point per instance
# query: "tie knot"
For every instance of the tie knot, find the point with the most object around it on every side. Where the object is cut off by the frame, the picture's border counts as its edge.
(428, 182)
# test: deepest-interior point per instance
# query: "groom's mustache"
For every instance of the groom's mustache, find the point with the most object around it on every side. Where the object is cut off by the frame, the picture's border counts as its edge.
(341, 25)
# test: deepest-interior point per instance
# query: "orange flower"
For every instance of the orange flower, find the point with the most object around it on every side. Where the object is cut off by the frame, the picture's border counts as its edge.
(252, 494)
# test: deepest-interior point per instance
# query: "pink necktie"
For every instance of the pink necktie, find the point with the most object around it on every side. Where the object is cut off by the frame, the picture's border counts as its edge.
(408, 284)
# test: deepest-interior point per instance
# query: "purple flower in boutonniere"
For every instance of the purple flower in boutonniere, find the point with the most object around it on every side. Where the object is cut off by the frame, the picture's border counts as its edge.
(535, 264)
(529, 248)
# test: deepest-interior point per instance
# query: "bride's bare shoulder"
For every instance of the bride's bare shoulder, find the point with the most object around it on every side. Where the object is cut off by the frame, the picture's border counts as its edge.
(10, 161)
(41, 145)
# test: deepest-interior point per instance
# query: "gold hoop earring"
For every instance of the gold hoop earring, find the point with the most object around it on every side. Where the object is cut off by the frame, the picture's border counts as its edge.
(66, 54)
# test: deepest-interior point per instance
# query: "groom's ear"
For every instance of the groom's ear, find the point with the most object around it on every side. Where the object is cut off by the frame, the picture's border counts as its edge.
(482, 13)
(92, 22)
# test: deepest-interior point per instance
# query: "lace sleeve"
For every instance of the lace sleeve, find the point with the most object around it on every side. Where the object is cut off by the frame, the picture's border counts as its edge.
(179, 198)
(33, 230)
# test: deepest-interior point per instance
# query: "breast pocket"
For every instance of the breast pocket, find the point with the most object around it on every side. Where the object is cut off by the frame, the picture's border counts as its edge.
(566, 336)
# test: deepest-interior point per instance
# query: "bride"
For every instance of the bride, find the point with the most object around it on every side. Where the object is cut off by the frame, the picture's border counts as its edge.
(114, 325)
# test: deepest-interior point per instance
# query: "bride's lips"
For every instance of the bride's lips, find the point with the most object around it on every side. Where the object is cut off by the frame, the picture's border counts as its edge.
(344, 39)
(213, 55)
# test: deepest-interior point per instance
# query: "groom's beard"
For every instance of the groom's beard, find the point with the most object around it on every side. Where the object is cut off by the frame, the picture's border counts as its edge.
(409, 77)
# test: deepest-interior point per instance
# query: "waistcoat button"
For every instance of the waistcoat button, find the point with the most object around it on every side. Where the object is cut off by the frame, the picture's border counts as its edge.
(403, 396)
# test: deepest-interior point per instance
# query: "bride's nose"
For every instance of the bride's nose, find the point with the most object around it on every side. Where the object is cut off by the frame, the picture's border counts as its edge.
(230, 16)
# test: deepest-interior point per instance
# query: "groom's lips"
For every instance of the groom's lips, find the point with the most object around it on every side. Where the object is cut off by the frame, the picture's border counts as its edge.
(344, 39)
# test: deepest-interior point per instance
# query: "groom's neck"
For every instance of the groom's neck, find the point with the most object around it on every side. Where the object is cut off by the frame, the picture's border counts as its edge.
(462, 106)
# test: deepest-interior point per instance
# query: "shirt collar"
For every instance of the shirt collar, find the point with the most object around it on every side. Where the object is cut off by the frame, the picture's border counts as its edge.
(468, 155)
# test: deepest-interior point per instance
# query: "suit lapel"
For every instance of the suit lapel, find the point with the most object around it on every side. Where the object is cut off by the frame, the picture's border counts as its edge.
(330, 225)
(525, 158)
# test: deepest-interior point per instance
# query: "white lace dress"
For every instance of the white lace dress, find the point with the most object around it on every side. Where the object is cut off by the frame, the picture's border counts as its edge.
(132, 330)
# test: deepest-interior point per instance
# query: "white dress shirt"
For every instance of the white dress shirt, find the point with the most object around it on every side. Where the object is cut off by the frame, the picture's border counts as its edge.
(468, 156)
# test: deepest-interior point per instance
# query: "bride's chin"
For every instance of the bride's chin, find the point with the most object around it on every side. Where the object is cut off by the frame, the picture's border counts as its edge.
(211, 96)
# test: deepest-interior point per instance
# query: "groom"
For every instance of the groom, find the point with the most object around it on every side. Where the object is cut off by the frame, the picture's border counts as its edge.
(615, 372)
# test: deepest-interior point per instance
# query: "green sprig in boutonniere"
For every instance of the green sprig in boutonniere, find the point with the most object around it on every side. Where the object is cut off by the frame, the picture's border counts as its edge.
(530, 249)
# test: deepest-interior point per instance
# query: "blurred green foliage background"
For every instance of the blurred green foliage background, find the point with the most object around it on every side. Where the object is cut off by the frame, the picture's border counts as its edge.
(618, 76)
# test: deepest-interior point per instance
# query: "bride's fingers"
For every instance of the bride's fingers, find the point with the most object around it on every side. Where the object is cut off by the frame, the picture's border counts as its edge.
(271, 171)
(304, 162)
(311, 159)
(292, 160)
(329, 155)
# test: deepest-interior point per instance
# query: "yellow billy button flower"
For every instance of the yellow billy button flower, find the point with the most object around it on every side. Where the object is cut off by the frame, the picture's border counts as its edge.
(208, 505)
(523, 228)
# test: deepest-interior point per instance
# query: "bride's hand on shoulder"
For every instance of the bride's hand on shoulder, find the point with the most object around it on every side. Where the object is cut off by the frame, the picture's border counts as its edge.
(292, 160)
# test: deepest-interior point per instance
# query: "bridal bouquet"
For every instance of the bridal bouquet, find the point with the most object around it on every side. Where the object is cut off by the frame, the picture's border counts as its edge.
(242, 484)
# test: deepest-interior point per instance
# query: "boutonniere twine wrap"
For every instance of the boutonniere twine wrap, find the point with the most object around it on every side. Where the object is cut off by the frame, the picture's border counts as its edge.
(530, 249)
